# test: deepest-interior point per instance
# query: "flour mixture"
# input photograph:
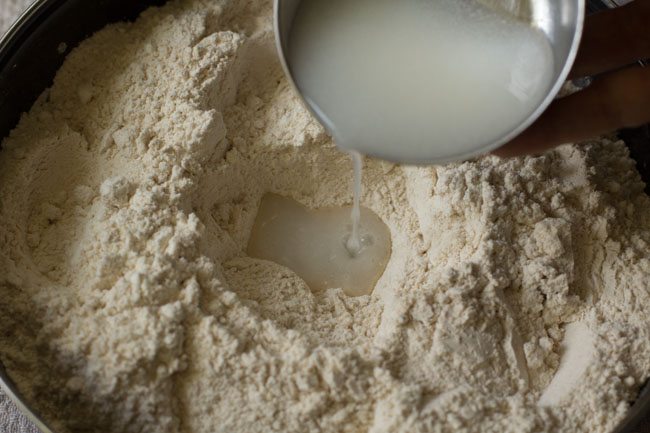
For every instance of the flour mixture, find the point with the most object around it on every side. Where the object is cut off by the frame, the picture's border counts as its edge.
(128, 304)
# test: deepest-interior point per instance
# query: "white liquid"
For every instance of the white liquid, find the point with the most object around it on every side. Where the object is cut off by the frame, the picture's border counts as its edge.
(354, 244)
(418, 80)
(313, 244)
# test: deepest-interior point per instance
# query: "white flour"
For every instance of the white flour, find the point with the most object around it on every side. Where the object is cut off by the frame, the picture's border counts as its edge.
(127, 303)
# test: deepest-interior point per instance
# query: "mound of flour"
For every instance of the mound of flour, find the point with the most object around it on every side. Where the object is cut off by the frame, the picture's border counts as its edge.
(127, 303)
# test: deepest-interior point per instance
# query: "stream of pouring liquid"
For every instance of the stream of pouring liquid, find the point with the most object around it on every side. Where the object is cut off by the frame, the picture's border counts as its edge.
(354, 244)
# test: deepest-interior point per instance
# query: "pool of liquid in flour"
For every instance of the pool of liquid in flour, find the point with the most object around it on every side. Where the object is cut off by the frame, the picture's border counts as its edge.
(315, 244)
(418, 80)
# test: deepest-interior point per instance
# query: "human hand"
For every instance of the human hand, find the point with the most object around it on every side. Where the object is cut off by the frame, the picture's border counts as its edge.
(619, 96)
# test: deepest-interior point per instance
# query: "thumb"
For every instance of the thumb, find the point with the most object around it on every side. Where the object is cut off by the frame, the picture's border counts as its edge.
(616, 100)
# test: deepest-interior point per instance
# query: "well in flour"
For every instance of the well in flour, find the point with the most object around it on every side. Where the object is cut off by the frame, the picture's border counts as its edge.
(314, 244)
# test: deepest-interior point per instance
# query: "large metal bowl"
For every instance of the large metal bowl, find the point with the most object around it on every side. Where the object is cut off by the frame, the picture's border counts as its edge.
(34, 49)
(560, 20)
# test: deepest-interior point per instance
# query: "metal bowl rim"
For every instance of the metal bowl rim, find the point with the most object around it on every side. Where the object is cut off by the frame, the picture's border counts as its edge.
(543, 105)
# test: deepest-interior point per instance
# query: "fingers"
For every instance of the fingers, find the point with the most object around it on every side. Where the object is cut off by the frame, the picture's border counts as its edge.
(610, 40)
(617, 100)
(613, 39)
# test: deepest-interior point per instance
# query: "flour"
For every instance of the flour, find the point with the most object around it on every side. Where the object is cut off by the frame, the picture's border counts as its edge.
(578, 352)
(127, 302)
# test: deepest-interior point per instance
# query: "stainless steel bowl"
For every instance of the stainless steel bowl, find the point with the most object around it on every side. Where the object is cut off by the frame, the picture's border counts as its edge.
(35, 47)
(561, 21)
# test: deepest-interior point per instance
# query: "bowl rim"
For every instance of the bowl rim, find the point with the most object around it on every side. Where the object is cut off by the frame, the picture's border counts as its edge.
(281, 43)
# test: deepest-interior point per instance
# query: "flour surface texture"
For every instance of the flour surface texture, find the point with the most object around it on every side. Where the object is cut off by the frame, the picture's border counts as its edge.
(128, 304)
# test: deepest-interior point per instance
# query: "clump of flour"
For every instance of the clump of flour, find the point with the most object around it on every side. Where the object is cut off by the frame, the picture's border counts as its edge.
(127, 302)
